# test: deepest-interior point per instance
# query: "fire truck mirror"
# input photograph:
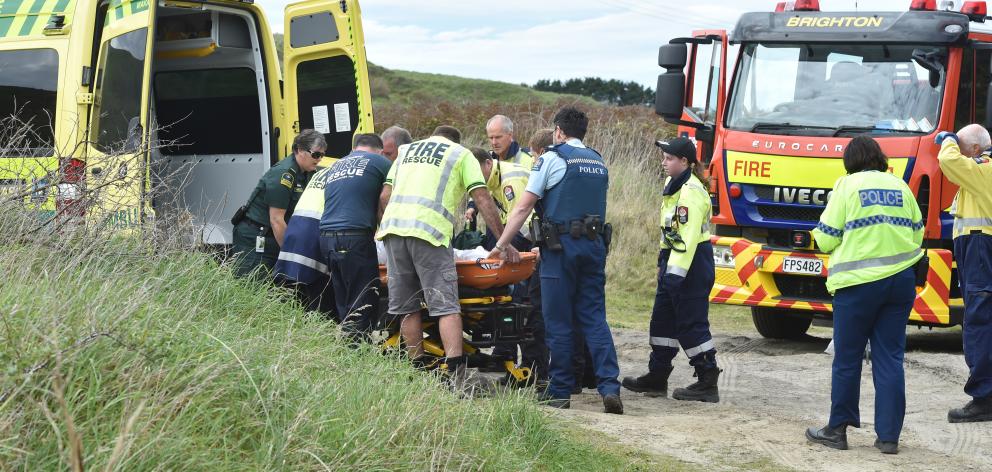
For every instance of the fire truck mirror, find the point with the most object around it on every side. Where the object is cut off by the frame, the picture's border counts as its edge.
(670, 95)
(672, 56)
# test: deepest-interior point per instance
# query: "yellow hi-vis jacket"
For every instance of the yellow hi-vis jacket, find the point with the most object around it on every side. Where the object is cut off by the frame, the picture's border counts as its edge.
(686, 213)
(522, 159)
(972, 207)
(430, 180)
(872, 227)
(507, 182)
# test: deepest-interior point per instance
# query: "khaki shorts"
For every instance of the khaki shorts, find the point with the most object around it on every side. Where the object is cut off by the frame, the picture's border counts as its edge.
(418, 272)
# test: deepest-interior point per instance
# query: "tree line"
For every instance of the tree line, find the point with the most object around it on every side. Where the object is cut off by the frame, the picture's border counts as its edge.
(613, 91)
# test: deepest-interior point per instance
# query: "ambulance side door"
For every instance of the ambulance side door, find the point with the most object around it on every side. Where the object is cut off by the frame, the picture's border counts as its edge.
(117, 154)
(326, 75)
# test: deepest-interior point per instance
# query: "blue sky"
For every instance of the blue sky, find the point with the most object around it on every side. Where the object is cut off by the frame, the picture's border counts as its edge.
(526, 40)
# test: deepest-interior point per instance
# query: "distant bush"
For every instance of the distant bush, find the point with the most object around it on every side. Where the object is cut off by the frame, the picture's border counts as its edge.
(612, 91)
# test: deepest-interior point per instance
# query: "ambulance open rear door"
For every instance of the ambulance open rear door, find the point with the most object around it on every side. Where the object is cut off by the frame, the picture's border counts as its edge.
(326, 76)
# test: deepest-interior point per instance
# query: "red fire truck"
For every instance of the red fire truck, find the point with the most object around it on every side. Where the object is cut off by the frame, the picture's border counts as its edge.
(772, 129)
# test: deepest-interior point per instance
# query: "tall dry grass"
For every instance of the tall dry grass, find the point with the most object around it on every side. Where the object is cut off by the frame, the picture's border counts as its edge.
(124, 350)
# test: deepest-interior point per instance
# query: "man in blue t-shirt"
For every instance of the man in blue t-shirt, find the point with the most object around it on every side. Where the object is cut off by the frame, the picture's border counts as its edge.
(351, 214)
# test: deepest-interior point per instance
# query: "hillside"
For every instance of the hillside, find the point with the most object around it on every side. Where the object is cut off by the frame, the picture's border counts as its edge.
(403, 88)
(398, 87)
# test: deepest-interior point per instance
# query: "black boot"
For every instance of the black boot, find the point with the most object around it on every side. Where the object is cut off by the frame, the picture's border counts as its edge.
(831, 437)
(704, 389)
(979, 409)
(651, 384)
(887, 447)
(612, 404)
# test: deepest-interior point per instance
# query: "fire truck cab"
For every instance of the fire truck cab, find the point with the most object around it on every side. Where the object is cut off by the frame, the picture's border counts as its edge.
(772, 128)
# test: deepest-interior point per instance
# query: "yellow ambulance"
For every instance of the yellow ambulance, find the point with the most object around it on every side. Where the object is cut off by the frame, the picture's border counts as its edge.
(160, 109)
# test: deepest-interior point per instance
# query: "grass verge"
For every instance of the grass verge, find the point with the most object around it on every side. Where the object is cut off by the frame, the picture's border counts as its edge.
(122, 360)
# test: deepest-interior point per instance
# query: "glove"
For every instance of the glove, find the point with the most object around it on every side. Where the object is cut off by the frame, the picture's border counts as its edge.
(671, 282)
(941, 136)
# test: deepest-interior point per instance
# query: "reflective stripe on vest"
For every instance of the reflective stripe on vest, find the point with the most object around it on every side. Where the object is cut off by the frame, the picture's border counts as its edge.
(873, 262)
(413, 224)
(426, 202)
(671, 269)
(304, 261)
(307, 213)
(962, 223)
(516, 174)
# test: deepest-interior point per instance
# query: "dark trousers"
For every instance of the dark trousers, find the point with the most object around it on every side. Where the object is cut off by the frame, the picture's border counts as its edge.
(681, 316)
(876, 311)
(318, 296)
(573, 284)
(354, 271)
(974, 255)
(247, 259)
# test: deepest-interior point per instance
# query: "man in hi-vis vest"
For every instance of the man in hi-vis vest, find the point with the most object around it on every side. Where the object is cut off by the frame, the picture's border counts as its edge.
(425, 187)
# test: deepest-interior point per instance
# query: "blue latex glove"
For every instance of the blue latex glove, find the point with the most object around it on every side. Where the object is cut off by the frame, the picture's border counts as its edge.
(941, 136)
(671, 282)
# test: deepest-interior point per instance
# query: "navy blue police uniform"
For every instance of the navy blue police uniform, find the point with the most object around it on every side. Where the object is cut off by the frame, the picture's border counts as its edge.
(573, 277)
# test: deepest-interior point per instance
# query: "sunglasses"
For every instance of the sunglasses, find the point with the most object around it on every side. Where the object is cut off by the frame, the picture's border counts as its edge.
(316, 154)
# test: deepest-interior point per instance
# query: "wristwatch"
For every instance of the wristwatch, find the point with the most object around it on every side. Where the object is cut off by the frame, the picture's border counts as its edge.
(500, 248)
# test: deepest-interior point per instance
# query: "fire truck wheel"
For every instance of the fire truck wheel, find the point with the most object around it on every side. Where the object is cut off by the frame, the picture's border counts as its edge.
(779, 324)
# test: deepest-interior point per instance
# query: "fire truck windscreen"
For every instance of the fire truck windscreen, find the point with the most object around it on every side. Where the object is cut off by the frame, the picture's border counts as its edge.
(826, 89)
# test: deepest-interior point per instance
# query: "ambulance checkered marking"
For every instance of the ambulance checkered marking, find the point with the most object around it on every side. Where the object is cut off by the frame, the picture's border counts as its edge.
(882, 220)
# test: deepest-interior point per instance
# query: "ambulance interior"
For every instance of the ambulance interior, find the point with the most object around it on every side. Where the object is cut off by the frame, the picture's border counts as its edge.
(211, 118)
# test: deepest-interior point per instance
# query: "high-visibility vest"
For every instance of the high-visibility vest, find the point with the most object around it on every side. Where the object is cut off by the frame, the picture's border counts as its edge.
(685, 213)
(507, 182)
(872, 227)
(521, 158)
(300, 259)
(429, 181)
(972, 207)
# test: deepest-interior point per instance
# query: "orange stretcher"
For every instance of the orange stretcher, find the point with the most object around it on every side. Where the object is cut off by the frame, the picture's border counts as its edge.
(490, 315)
(485, 274)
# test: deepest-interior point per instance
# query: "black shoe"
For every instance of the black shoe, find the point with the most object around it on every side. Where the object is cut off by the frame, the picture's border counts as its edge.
(612, 404)
(651, 384)
(559, 403)
(704, 389)
(831, 437)
(979, 409)
(576, 390)
(887, 447)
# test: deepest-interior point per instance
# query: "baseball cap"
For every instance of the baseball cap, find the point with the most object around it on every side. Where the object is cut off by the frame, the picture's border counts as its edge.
(681, 147)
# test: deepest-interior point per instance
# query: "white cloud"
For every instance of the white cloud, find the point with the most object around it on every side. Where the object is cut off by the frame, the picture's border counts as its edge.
(526, 40)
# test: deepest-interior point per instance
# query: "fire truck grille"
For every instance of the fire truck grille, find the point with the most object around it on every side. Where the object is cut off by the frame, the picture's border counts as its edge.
(811, 214)
(802, 286)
